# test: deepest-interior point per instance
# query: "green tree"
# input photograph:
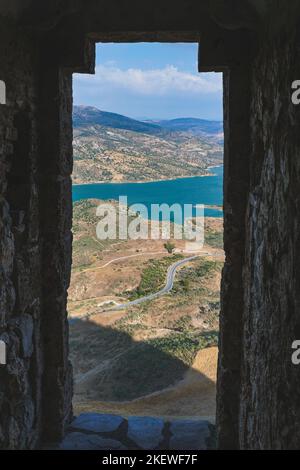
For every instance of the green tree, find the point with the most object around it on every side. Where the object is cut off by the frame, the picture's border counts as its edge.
(170, 247)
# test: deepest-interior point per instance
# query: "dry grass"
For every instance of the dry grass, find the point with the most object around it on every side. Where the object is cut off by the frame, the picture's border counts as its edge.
(192, 397)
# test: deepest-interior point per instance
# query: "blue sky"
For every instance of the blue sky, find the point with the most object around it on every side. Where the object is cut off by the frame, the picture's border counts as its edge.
(150, 80)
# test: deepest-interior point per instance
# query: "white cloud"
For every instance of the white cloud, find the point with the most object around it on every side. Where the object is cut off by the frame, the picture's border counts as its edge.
(158, 82)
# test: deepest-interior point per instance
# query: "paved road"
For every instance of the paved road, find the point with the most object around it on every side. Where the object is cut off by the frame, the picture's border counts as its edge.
(167, 288)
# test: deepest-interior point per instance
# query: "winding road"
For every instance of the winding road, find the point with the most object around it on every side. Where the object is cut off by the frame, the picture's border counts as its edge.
(167, 288)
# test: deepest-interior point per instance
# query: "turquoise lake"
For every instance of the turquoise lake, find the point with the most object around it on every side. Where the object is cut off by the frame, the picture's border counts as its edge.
(207, 190)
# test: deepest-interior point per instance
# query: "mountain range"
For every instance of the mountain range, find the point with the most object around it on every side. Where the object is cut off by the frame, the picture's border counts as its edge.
(112, 147)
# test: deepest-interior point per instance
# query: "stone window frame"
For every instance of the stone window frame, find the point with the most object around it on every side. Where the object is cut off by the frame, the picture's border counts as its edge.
(78, 56)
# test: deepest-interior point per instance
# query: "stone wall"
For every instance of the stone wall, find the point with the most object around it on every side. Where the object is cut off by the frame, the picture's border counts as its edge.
(20, 248)
(236, 184)
(35, 238)
(270, 394)
(258, 388)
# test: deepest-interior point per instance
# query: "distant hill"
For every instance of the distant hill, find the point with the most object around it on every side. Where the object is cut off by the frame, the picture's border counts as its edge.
(111, 147)
(87, 115)
(194, 125)
(84, 116)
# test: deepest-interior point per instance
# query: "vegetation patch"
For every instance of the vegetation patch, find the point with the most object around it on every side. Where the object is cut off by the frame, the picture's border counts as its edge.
(153, 277)
(152, 365)
(214, 238)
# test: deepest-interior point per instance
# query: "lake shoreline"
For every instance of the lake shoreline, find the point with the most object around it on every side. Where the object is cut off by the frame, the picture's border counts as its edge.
(188, 192)
(150, 181)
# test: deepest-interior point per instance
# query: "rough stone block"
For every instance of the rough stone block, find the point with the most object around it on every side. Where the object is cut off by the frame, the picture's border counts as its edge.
(146, 432)
(189, 435)
(97, 423)
(80, 441)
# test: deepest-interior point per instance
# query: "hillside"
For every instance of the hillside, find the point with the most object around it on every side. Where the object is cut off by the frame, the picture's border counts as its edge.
(85, 116)
(198, 127)
(111, 147)
(157, 357)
